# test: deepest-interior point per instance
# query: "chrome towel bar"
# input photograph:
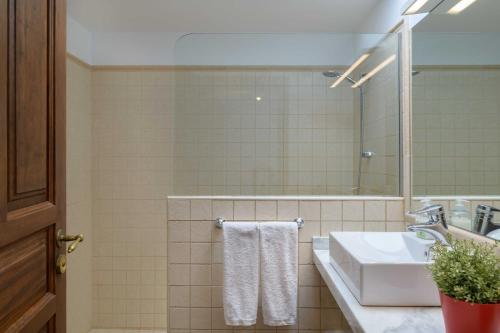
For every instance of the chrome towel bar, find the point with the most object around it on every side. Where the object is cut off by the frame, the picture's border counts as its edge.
(219, 222)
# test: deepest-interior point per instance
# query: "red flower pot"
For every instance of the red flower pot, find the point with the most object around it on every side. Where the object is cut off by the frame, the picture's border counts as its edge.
(463, 317)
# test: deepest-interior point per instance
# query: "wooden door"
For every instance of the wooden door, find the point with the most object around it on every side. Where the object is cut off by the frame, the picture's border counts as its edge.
(32, 164)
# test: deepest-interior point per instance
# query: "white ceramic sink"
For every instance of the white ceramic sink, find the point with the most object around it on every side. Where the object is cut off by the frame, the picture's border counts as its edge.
(384, 268)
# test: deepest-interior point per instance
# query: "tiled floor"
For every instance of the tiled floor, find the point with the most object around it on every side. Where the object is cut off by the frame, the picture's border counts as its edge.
(145, 331)
(125, 331)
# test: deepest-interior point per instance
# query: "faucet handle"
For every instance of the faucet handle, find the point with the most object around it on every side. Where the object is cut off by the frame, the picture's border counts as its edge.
(486, 209)
(486, 213)
(429, 210)
(434, 212)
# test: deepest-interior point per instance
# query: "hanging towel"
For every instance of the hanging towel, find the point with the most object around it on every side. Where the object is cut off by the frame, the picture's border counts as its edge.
(241, 273)
(279, 265)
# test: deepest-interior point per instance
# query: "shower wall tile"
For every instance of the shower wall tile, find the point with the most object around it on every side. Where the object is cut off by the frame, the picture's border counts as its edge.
(288, 210)
(266, 210)
(201, 209)
(352, 210)
(394, 211)
(196, 268)
(244, 210)
(375, 210)
(296, 139)
(331, 210)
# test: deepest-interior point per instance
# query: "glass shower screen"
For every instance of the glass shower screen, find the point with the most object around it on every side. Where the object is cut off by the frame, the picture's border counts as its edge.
(255, 114)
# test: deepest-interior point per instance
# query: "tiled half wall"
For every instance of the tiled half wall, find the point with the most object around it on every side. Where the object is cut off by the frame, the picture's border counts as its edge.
(195, 255)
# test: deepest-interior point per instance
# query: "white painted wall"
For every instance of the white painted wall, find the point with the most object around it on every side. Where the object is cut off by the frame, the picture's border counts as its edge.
(79, 40)
(162, 48)
(265, 49)
(152, 48)
(383, 17)
(216, 49)
(456, 49)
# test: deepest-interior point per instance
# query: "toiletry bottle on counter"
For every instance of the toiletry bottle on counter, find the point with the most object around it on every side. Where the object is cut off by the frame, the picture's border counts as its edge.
(460, 215)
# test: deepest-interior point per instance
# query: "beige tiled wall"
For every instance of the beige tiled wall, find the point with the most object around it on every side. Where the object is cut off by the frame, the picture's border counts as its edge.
(133, 165)
(456, 132)
(195, 255)
(79, 195)
(132, 136)
(297, 139)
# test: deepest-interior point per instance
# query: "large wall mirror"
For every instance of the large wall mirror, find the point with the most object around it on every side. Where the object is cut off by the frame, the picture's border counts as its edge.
(456, 115)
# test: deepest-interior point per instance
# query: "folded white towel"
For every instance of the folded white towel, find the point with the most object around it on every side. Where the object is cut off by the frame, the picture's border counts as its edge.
(241, 273)
(279, 266)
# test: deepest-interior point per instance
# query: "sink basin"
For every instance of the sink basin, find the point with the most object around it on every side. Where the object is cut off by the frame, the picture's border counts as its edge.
(384, 268)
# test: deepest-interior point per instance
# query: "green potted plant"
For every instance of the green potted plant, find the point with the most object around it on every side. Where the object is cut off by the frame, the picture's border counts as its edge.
(467, 274)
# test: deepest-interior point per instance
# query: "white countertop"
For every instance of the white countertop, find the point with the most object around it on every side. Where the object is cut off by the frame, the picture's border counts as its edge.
(374, 319)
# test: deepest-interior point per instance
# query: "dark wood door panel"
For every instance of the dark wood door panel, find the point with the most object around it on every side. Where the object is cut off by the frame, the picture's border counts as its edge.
(38, 317)
(31, 107)
(3, 108)
(31, 84)
(20, 223)
(32, 164)
(25, 270)
(48, 327)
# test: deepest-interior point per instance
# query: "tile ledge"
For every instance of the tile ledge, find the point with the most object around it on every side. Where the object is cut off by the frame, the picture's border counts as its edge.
(294, 198)
(454, 197)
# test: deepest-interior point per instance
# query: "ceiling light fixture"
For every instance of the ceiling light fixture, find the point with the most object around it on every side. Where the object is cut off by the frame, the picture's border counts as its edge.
(459, 7)
(351, 69)
(375, 70)
(415, 7)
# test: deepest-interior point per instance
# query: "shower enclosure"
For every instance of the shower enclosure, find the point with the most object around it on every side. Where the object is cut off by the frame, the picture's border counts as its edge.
(255, 114)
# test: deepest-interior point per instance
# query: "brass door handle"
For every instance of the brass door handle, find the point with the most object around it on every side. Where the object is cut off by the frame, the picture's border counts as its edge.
(62, 238)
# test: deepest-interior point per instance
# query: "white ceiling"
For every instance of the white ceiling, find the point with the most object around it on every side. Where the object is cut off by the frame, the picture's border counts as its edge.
(481, 16)
(221, 15)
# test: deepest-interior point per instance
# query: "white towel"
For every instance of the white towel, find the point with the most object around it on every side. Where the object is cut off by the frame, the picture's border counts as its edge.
(279, 266)
(241, 273)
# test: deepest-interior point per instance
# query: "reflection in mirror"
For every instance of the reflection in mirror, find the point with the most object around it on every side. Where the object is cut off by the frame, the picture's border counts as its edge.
(456, 115)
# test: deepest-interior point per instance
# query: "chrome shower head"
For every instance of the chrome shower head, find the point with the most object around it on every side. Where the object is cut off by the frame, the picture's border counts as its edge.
(334, 74)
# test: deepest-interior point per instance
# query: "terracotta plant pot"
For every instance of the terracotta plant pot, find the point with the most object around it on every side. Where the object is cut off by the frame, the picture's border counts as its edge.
(463, 317)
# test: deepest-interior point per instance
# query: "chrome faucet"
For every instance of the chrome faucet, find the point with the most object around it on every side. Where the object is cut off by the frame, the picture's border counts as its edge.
(483, 223)
(436, 225)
